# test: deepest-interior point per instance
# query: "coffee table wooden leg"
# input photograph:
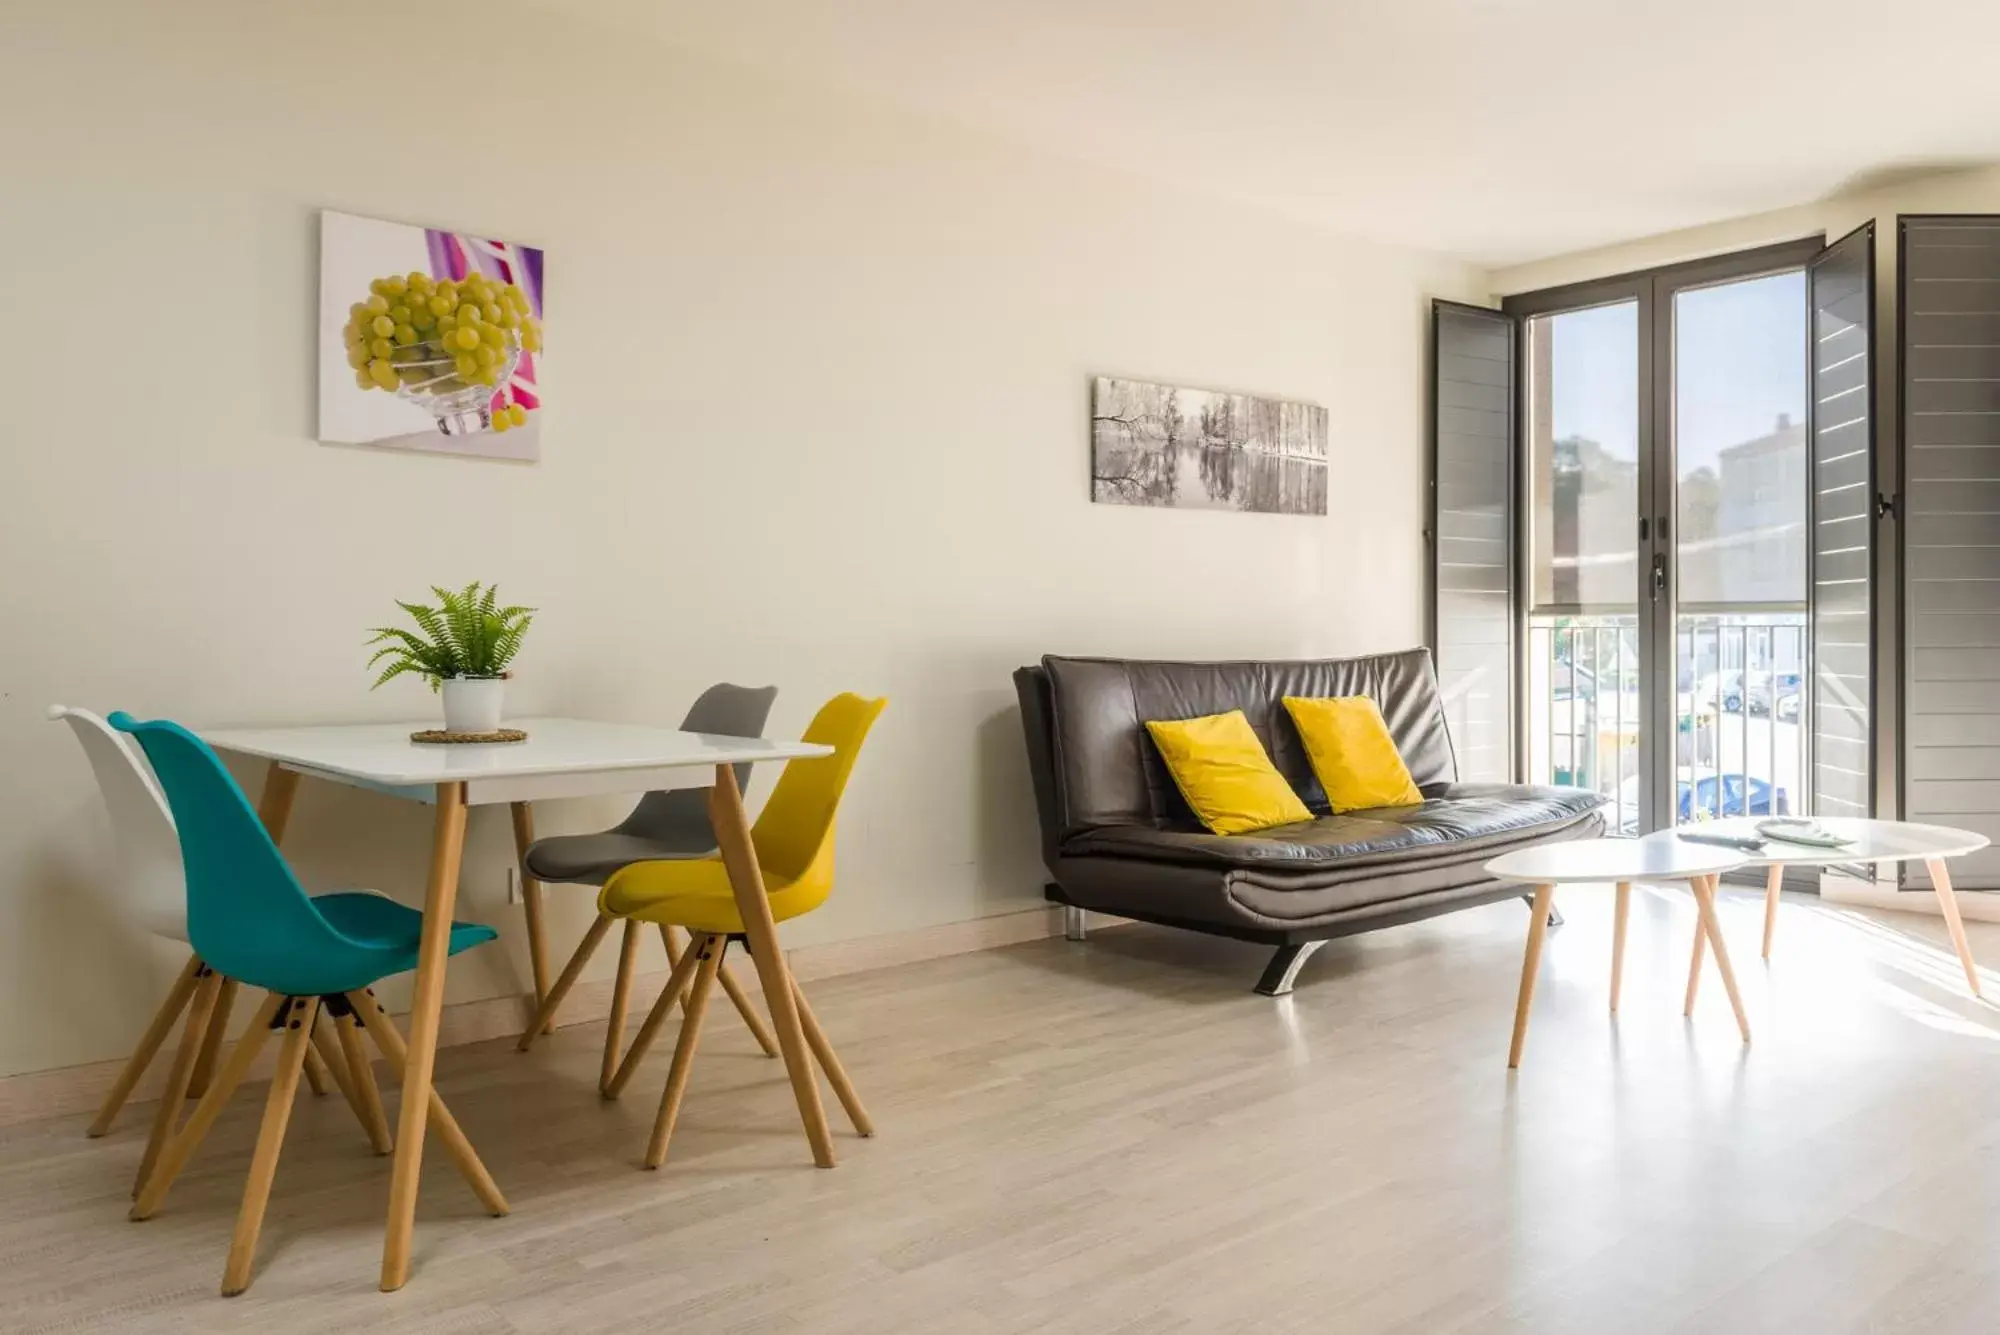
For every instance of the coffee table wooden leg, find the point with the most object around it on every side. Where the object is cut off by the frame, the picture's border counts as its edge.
(1948, 901)
(1773, 879)
(1696, 957)
(1704, 892)
(440, 897)
(1620, 914)
(739, 856)
(1538, 927)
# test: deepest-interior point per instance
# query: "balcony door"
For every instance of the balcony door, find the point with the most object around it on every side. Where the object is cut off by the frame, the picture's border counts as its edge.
(1691, 519)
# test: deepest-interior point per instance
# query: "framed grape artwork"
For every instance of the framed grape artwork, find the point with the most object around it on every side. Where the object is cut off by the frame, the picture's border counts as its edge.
(428, 340)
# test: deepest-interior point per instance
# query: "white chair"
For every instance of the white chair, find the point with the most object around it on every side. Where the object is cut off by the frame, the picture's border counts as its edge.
(148, 853)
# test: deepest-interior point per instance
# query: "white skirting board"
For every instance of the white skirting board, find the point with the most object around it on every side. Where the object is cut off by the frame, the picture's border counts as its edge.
(77, 1090)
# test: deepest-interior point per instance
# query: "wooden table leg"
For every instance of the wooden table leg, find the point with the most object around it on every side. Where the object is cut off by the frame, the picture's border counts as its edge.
(1619, 915)
(531, 904)
(739, 856)
(1696, 956)
(427, 1001)
(1774, 879)
(1704, 893)
(1948, 901)
(1538, 927)
(274, 808)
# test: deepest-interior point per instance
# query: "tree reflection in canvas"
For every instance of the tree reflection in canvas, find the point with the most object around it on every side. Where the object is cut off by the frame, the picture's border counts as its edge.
(1165, 445)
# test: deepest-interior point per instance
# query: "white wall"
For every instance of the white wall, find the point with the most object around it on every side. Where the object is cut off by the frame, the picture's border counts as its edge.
(817, 413)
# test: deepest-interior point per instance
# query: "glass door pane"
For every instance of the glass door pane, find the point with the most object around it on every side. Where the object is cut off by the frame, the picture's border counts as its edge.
(1742, 489)
(1581, 497)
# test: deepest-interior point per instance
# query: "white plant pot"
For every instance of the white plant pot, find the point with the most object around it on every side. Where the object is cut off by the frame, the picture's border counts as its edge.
(472, 704)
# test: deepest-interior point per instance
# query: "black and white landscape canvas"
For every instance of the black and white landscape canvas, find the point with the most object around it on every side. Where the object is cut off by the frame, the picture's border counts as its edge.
(1202, 449)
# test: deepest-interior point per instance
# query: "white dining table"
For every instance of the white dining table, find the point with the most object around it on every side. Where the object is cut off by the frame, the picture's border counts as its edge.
(561, 757)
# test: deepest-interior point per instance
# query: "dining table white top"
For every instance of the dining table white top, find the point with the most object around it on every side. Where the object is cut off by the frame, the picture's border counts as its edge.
(381, 755)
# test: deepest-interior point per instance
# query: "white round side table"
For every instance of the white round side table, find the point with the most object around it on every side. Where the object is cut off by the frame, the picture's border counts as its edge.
(1868, 841)
(1621, 862)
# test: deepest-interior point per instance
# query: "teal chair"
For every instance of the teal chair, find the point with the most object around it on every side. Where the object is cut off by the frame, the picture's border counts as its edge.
(249, 919)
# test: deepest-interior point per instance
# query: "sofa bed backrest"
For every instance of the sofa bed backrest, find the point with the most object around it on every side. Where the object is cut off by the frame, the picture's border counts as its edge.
(1106, 770)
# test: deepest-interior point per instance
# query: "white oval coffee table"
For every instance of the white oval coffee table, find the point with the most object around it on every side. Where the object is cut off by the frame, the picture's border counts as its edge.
(1621, 862)
(1869, 841)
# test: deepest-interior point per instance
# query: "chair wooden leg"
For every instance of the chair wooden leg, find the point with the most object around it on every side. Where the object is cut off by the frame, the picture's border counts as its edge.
(621, 1003)
(149, 1045)
(200, 1009)
(211, 1043)
(747, 1008)
(1695, 958)
(1531, 963)
(1704, 890)
(175, 1155)
(531, 902)
(1620, 913)
(836, 1074)
(673, 945)
(317, 1072)
(361, 1079)
(270, 1141)
(642, 1042)
(752, 1020)
(1774, 879)
(1948, 902)
(711, 950)
(324, 1052)
(571, 972)
(389, 1042)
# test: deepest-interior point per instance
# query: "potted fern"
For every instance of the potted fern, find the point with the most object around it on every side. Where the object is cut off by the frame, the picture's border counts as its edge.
(462, 647)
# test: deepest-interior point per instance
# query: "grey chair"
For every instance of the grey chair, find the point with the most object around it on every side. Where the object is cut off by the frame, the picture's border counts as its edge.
(665, 825)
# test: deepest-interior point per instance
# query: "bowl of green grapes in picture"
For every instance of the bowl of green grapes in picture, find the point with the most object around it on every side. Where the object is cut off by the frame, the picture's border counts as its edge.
(447, 345)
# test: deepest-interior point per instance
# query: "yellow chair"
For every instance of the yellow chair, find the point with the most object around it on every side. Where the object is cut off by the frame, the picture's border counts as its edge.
(794, 842)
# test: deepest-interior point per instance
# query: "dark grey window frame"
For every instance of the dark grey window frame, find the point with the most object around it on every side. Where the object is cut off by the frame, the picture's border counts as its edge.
(1653, 291)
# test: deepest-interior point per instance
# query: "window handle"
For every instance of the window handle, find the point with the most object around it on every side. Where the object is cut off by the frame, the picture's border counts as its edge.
(1659, 575)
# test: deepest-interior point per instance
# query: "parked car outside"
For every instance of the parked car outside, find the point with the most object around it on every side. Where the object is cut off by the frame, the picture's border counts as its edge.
(1735, 690)
(1711, 797)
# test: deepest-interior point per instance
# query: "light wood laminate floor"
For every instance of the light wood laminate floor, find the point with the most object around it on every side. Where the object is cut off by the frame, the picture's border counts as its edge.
(1118, 1136)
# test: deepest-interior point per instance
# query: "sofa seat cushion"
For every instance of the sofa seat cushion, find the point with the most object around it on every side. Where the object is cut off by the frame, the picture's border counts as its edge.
(1462, 819)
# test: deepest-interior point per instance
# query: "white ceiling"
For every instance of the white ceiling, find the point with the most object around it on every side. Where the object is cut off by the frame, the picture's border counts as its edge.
(1495, 130)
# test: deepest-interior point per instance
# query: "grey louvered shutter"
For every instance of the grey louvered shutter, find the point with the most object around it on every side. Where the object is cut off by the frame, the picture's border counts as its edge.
(1950, 299)
(1842, 294)
(1472, 533)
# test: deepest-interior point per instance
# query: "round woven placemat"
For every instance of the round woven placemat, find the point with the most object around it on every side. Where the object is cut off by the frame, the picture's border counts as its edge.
(438, 736)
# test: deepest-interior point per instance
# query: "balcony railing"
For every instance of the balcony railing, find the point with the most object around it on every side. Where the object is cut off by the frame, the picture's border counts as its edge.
(1739, 731)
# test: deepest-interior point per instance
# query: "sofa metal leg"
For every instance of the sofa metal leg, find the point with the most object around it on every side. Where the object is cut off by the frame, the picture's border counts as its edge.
(1283, 970)
(1555, 914)
(1073, 923)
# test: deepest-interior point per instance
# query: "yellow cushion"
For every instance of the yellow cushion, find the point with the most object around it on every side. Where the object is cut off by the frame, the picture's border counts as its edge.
(1353, 754)
(696, 894)
(1223, 772)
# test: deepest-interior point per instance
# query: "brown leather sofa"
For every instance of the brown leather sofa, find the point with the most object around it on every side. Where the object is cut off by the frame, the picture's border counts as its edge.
(1118, 838)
